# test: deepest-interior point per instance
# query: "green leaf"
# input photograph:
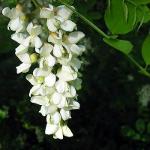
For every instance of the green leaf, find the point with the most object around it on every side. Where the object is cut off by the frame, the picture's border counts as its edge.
(121, 45)
(140, 2)
(10, 3)
(70, 2)
(146, 50)
(148, 128)
(120, 17)
(3, 113)
(129, 14)
(143, 14)
(128, 132)
(140, 125)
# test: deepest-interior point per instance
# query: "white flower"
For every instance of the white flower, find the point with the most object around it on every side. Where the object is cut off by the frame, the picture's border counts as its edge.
(66, 73)
(40, 100)
(75, 37)
(46, 57)
(47, 12)
(51, 129)
(50, 80)
(42, 82)
(58, 50)
(17, 18)
(66, 131)
(24, 57)
(45, 110)
(63, 131)
(57, 129)
(55, 79)
(56, 37)
(19, 37)
(41, 72)
(61, 86)
(59, 100)
(65, 114)
(60, 20)
(33, 40)
(23, 68)
(68, 25)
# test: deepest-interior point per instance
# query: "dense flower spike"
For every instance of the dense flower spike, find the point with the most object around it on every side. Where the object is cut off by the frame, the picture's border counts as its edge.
(51, 41)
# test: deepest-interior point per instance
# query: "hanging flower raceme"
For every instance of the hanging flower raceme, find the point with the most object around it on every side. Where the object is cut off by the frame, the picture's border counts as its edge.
(50, 41)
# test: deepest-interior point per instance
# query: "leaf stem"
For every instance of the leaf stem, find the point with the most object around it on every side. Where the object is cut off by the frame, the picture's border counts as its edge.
(142, 70)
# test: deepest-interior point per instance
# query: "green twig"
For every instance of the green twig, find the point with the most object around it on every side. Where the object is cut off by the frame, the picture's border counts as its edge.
(142, 70)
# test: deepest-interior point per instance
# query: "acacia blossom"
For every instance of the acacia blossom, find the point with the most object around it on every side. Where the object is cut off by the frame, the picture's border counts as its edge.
(50, 41)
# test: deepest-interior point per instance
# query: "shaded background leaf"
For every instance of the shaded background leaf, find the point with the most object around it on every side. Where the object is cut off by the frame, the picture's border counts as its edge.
(146, 50)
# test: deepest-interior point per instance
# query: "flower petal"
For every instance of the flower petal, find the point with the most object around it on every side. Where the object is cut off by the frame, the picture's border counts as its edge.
(7, 12)
(35, 90)
(45, 110)
(21, 50)
(57, 51)
(40, 100)
(75, 37)
(66, 74)
(46, 50)
(29, 28)
(50, 129)
(61, 86)
(56, 98)
(64, 12)
(65, 114)
(66, 131)
(31, 79)
(36, 42)
(51, 60)
(63, 102)
(47, 12)
(18, 37)
(76, 49)
(23, 68)
(56, 118)
(26, 42)
(59, 134)
(51, 25)
(71, 93)
(14, 24)
(50, 80)
(36, 30)
(68, 25)
(25, 58)
(39, 72)
(73, 105)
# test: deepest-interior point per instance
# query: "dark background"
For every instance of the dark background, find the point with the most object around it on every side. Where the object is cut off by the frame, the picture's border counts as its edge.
(111, 116)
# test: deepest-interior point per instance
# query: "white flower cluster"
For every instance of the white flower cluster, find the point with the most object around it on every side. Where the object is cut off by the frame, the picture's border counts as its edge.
(49, 42)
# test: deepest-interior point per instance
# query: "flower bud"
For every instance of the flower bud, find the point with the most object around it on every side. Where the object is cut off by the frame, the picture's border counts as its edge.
(34, 57)
(40, 80)
(19, 7)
